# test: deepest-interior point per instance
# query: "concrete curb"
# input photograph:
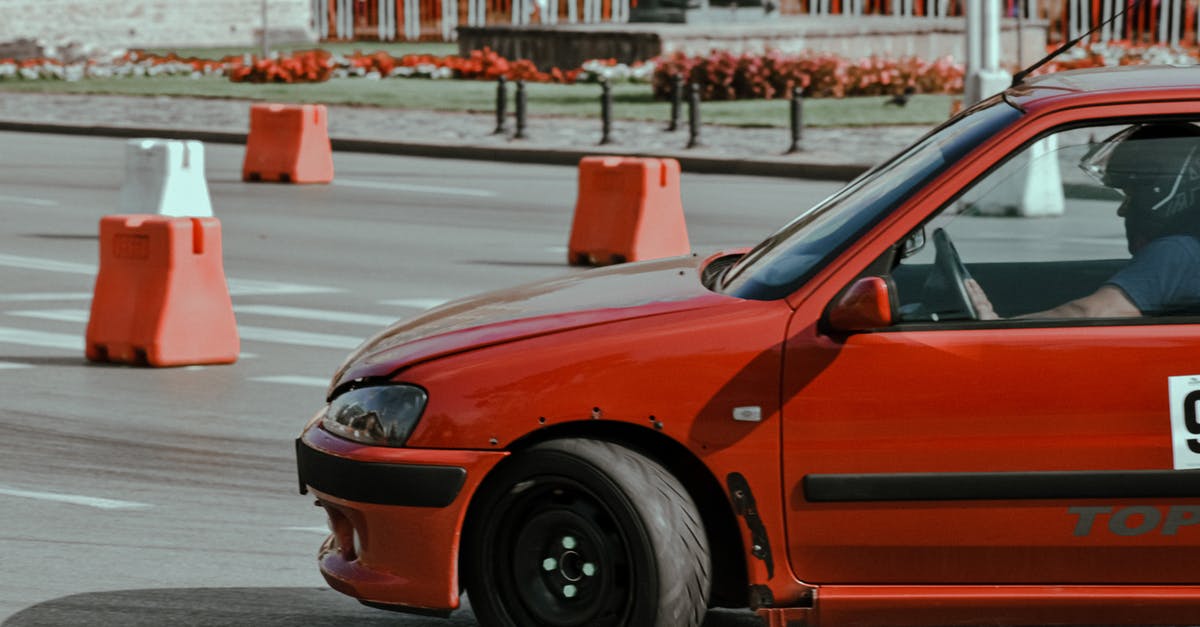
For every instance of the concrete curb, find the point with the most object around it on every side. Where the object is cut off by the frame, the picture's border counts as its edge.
(548, 156)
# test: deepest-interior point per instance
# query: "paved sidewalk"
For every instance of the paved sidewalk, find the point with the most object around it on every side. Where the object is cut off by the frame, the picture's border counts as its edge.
(826, 153)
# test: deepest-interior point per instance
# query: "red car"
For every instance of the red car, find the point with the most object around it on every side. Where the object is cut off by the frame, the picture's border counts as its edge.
(963, 390)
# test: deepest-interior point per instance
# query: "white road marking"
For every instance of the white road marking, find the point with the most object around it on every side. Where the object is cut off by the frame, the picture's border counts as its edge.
(8, 365)
(561, 250)
(58, 315)
(251, 287)
(261, 334)
(25, 200)
(421, 189)
(324, 315)
(48, 265)
(237, 287)
(321, 530)
(414, 303)
(65, 341)
(288, 379)
(30, 297)
(74, 499)
(299, 338)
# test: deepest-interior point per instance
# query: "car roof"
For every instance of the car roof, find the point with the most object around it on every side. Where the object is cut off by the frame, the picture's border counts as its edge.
(1106, 85)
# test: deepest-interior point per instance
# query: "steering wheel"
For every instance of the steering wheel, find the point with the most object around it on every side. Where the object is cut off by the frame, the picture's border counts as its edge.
(947, 261)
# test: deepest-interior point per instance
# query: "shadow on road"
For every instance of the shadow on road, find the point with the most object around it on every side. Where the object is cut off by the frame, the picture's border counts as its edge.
(232, 607)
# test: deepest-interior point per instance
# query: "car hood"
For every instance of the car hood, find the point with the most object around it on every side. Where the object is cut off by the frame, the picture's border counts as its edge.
(621, 292)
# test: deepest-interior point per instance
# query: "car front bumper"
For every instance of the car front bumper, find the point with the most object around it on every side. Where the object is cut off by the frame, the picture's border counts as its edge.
(396, 517)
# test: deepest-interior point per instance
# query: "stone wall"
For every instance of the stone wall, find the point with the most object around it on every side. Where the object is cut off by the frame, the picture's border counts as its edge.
(567, 46)
(112, 24)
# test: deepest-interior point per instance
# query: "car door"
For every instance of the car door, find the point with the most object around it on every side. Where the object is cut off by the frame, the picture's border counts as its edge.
(944, 450)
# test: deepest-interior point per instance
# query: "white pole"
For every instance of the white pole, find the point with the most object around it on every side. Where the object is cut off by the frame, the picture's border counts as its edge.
(1118, 24)
(983, 48)
(393, 23)
(1164, 11)
(1106, 14)
(991, 36)
(973, 15)
(449, 19)
(1167, 23)
(346, 19)
(266, 46)
(412, 19)
(381, 28)
(1084, 16)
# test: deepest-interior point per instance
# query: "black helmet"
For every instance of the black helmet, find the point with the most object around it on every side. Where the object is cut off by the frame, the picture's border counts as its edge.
(1157, 168)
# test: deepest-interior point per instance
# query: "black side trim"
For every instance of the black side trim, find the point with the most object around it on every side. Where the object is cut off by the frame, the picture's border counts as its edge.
(744, 505)
(378, 483)
(974, 486)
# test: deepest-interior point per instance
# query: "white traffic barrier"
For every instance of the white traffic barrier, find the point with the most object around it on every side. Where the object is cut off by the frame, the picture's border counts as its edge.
(1030, 185)
(165, 177)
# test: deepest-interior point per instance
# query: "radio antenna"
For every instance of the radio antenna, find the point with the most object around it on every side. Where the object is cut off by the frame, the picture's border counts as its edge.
(1019, 77)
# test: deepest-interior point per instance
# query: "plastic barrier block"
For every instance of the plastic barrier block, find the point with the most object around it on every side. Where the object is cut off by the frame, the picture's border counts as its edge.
(161, 297)
(165, 177)
(288, 144)
(629, 209)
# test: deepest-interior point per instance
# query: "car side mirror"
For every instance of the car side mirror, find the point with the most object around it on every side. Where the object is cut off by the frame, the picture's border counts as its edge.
(866, 304)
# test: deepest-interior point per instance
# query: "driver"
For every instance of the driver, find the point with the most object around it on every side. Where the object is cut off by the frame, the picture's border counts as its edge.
(1156, 167)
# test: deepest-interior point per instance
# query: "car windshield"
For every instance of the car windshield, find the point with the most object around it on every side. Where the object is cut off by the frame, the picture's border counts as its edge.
(782, 262)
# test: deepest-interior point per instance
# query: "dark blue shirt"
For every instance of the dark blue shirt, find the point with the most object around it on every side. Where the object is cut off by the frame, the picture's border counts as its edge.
(1163, 276)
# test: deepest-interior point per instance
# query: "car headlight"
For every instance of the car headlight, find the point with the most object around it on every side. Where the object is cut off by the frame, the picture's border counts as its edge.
(382, 415)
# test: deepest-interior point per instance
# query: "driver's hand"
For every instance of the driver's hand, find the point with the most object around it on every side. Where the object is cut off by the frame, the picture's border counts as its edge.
(978, 298)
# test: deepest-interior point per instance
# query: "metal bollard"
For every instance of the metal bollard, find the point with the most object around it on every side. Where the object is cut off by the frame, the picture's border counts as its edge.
(693, 115)
(676, 101)
(501, 106)
(797, 106)
(605, 112)
(520, 134)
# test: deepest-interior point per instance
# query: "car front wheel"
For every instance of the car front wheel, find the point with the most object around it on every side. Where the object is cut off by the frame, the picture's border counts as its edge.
(585, 532)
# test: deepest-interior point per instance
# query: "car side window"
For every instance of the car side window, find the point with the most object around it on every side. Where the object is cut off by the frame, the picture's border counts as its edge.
(1096, 222)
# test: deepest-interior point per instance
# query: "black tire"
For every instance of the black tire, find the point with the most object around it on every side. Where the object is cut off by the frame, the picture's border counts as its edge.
(585, 533)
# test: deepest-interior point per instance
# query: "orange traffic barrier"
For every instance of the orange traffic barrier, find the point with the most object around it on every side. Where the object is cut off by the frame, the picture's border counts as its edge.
(161, 297)
(288, 144)
(629, 209)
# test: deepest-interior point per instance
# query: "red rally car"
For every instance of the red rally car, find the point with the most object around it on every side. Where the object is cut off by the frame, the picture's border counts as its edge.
(962, 390)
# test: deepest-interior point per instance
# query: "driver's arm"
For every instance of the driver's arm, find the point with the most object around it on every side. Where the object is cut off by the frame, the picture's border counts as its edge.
(1107, 302)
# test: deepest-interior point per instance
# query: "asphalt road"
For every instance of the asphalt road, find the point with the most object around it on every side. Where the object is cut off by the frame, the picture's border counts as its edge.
(137, 496)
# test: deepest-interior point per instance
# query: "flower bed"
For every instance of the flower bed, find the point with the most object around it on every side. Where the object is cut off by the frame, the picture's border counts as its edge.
(719, 75)
(724, 76)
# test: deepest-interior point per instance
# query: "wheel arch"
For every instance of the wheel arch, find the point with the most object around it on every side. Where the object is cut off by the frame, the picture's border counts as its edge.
(730, 583)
